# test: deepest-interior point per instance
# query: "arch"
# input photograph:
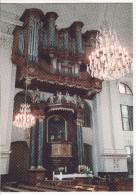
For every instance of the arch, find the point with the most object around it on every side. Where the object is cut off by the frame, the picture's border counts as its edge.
(123, 88)
(56, 128)
(87, 115)
(20, 98)
(127, 81)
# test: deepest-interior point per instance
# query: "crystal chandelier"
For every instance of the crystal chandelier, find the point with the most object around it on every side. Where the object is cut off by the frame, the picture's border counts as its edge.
(25, 119)
(109, 60)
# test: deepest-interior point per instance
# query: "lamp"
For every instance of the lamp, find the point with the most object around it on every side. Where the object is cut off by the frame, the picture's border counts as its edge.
(109, 60)
(25, 119)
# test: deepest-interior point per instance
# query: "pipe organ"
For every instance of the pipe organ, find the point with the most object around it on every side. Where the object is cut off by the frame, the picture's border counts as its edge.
(53, 53)
(56, 61)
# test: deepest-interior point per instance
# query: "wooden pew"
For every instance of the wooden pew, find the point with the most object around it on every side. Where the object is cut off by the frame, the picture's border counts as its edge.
(35, 188)
(125, 185)
(57, 188)
(93, 187)
(83, 187)
(13, 189)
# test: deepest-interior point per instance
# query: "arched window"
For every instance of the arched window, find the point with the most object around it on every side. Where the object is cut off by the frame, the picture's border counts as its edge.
(57, 129)
(87, 115)
(123, 88)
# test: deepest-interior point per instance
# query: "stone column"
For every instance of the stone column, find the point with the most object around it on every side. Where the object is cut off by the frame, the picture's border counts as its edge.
(40, 142)
(33, 148)
(37, 174)
(80, 142)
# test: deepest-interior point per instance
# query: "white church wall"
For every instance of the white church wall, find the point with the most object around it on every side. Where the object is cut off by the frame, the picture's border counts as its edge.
(8, 75)
(107, 130)
(109, 138)
(116, 117)
(126, 99)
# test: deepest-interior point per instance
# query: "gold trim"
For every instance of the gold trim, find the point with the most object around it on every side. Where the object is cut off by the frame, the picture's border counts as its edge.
(32, 167)
(41, 118)
(79, 122)
(40, 167)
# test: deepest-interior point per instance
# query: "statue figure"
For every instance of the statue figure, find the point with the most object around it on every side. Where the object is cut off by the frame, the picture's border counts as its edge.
(52, 138)
(36, 96)
(52, 99)
(75, 99)
(67, 97)
(80, 102)
(59, 96)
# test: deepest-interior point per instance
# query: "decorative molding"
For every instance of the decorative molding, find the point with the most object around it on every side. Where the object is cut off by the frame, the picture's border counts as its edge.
(61, 150)
(6, 41)
(41, 118)
(62, 109)
(7, 26)
(5, 152)
(113, 155)
(79, 122)
(9, 16)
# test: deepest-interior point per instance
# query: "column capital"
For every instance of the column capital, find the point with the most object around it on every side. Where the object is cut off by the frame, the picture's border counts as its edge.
(79, 121)
(41, 118)
(8, 22)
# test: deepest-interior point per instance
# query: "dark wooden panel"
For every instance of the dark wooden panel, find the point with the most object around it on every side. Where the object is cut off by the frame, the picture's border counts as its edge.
(18, 163)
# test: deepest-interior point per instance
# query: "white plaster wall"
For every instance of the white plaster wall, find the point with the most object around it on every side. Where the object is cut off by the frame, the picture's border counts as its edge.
(116, 116)
(107, 127)
(7, 94)
(127, 100)
(8, 74)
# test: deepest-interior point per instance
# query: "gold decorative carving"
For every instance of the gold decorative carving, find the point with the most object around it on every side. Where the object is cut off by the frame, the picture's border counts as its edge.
(79, 122)
(61, 150)
(41, 118)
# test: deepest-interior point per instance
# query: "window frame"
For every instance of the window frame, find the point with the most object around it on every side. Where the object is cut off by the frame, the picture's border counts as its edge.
(130, 126)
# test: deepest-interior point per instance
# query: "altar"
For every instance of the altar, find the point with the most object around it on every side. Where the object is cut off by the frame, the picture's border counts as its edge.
(72, 176)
